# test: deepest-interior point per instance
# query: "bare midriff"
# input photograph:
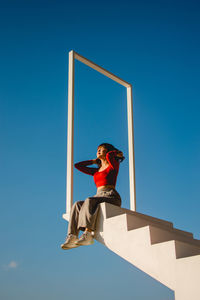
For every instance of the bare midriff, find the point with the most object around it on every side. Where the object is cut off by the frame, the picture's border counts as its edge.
(105, 187)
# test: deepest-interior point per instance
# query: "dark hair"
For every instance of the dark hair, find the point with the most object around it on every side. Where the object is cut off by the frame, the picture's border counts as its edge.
(110, 147)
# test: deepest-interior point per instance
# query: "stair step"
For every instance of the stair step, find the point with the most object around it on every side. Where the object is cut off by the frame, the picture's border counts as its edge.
(184, 245)
(113, 210)
(169, 255)
(135, 222)
(186, 250)
(176, 248)
(194, 260)
(119, 222)
(159, 235)
(141, 219)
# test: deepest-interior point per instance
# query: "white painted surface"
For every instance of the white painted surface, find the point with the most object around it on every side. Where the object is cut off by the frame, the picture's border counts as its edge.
(70, 129)
(70, 134)
(101, 70)
(169, 255)
(132, 184)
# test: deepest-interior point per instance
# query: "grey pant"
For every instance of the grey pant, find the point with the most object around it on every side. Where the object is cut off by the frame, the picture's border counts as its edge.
(84, 213)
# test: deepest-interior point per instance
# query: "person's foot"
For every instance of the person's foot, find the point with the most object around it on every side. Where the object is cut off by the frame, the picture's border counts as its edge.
(85, 239)
(70, 242)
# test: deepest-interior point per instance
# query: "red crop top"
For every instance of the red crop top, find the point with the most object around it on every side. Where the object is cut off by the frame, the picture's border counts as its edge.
(105, 177)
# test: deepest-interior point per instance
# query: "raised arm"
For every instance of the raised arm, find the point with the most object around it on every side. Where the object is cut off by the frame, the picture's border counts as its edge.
(110, 156)
(82, 166)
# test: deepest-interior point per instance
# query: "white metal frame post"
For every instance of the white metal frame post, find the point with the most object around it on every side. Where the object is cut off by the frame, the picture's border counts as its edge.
(70, 136)
(131, 149)
(70, 131)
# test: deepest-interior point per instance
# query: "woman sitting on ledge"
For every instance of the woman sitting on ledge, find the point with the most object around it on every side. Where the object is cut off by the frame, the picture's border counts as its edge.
(84, 213)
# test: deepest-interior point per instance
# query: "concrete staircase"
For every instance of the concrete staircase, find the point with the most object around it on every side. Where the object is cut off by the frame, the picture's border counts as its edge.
(169, 255)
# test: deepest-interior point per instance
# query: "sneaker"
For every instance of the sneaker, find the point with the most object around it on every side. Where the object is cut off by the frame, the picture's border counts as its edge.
(85, 239)
(70, 242)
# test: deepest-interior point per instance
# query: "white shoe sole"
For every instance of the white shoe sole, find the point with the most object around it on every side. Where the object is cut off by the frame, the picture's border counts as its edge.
(68, 247)
(84, 243)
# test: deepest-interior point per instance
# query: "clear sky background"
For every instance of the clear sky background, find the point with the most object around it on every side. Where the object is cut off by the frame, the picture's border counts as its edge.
(155, 46)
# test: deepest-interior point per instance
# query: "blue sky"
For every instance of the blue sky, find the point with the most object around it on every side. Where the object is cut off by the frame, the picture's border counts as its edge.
(155, 46)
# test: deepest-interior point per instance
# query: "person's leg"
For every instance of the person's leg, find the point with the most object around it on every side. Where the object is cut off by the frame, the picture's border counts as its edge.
(72, 235)
(89, 210)
(88, 213)
(74, 217)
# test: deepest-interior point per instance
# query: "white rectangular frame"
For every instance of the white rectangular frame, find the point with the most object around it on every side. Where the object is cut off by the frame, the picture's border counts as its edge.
(70, 130)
